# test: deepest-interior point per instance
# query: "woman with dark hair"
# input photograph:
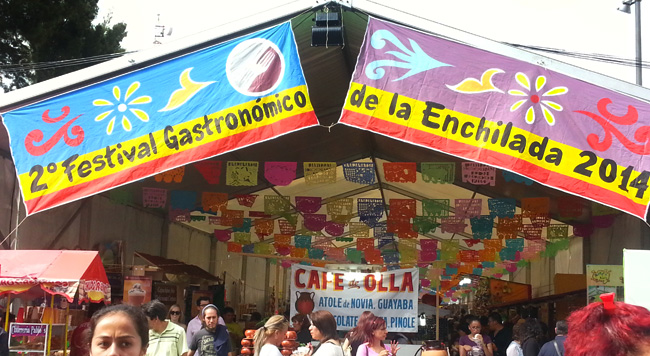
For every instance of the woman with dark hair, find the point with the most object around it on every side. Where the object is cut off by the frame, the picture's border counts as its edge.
(357, 335)
(530, 332)
(374, 346)
(609, 329)
(121, 330)
(323, 329)
(301, 326)
(514, 349)
(476, 344)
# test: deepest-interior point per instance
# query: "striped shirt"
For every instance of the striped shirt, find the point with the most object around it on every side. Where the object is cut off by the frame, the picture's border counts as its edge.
(171, 342)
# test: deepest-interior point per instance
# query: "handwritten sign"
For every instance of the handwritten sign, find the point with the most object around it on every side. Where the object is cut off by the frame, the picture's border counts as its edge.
(479, 174)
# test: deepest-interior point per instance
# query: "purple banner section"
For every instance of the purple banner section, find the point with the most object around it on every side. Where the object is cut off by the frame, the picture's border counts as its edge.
(518, 116)
(18, 329)
(485, 84)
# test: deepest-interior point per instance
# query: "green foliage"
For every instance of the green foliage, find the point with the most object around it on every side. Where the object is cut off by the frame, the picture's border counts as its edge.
(47, 31)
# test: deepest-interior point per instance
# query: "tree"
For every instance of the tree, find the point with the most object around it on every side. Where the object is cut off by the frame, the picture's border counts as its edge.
(49, 31)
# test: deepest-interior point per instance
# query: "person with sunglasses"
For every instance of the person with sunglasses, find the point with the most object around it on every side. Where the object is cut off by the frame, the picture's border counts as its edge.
(176, 316)
(165, 337)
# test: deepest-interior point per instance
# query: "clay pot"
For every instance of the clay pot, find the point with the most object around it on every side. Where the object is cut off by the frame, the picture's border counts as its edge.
(304, 302)
(286, 352)
(246, 351)
(246, 343)
(287, 344)
(250, 333)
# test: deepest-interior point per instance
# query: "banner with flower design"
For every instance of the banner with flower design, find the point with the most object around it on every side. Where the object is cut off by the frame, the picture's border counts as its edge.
(504, 112)
(196, 106)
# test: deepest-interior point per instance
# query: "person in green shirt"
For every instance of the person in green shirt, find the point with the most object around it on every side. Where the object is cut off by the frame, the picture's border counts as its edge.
(165, 337)
(235, 330)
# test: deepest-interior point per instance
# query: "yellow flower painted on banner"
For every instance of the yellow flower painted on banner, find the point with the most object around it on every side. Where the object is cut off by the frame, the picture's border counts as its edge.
(123, 106)
(535, 98)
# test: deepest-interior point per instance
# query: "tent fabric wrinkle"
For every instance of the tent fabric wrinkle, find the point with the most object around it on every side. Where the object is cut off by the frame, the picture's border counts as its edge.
(58, 272)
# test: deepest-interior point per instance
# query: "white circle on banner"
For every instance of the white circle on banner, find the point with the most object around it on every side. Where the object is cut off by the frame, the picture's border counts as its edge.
(255, 67)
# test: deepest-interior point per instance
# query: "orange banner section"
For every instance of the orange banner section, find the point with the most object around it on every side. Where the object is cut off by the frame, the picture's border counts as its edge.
(151, 167)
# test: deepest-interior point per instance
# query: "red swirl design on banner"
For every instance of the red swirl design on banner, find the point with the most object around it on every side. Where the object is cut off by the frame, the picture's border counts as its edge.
(642, 134)
(37, 135)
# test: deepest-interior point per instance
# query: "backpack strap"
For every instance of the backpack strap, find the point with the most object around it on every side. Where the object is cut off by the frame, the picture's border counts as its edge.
(557, 349)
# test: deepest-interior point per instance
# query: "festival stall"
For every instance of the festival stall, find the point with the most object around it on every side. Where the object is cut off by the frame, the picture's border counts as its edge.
(56, 273)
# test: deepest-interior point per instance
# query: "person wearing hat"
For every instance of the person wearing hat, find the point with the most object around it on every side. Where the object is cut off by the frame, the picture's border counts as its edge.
(197, 323)
(213, 339)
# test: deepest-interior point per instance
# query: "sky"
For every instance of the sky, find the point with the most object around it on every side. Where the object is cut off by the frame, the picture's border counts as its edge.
(584, 26)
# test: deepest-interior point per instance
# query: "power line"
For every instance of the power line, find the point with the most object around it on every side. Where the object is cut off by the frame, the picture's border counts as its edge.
(605, 58)
(12, 68)
(587, 56)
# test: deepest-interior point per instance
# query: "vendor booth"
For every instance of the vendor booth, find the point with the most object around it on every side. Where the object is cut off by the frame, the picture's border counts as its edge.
(32, 273)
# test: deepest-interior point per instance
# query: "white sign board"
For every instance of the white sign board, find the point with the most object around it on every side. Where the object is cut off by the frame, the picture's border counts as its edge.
(392, 295)
(635, 272)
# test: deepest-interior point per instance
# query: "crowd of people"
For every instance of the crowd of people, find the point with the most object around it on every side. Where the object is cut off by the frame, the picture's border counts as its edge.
(605, 328)
(495, 336)
(599, 329)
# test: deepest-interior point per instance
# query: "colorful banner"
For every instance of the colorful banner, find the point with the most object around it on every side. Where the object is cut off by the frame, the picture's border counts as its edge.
(604, 279)
(500, 111)
(392, 295)
(187, 109)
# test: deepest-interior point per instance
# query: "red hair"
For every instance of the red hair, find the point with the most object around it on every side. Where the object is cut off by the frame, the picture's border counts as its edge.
(373, 324)
(595, 331)
(358, 332)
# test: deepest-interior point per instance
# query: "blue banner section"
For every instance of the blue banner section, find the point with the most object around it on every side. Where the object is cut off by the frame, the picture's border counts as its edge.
(148, 100)
(215, 100)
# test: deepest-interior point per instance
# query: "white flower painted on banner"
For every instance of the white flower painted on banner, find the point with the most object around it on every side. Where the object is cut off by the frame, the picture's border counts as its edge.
(535, 98)
(123, 108)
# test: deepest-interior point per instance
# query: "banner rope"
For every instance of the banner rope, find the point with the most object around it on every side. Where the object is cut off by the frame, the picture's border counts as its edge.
(12, 231)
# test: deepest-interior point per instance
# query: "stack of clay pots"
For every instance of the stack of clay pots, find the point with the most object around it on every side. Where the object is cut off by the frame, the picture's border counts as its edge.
(289, 344)
(247, 342)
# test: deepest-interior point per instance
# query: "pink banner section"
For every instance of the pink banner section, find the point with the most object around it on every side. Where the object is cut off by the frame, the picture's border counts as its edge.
(280, 173)
(521, 117)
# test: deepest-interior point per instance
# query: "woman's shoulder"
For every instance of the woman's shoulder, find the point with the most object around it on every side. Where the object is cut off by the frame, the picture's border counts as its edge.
(269, 350)
(329, 348)
(270, 346)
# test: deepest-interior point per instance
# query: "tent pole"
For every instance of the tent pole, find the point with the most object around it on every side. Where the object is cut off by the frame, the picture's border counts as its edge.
(7, 312)
(49, 335)
(17, 221)
(437, 316)
(65, 333)
(277, 284)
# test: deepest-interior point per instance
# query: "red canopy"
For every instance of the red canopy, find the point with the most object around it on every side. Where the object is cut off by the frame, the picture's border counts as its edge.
(56, 272)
